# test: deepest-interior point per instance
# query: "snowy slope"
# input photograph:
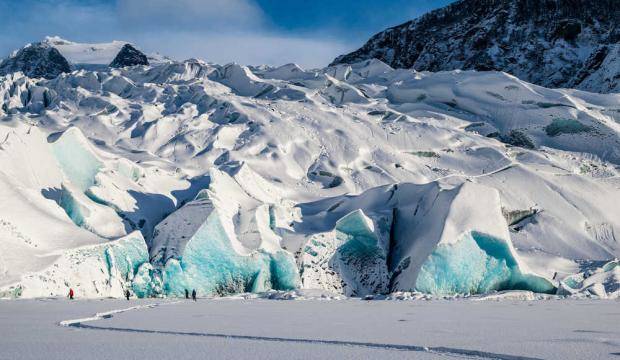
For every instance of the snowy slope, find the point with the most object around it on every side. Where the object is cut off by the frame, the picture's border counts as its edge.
(357, 179)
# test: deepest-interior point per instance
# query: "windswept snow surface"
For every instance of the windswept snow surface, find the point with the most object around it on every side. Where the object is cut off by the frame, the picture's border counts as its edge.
(357, 179)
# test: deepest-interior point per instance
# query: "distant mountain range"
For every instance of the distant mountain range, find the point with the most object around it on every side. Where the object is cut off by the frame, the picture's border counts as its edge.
(553, 43)
(54, 56)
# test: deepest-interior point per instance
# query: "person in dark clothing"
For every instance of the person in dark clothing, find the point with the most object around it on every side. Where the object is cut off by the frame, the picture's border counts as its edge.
(186, 294)
(194, 294)
(70, 294)
(127, 294)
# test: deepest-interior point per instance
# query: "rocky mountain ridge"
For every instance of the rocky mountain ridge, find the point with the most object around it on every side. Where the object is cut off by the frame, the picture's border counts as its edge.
(54, 56)
(36, 60)
(553, 43)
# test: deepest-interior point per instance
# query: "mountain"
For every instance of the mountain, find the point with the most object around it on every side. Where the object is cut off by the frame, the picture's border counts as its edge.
(354, 179)
(36, 60)
(86, 54)
(129, 56)
(54, 56)
(552, 43)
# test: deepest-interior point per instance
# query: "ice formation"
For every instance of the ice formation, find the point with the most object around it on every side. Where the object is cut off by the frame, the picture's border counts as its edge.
(351, 259)
(475, 264)
(222, 242)
(356, 179)
(104, 270)
(602, 281)
(76, 159)
(211, 265)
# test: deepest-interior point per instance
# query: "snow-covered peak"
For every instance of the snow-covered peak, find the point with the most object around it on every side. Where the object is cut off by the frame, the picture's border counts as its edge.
(81, 54)
(86, 53)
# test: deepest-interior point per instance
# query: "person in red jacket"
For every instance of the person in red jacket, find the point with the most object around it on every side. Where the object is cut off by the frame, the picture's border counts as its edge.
(70, 294)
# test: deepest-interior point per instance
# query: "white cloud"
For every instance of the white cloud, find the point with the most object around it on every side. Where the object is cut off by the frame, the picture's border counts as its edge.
(220, 31)
(252, 48)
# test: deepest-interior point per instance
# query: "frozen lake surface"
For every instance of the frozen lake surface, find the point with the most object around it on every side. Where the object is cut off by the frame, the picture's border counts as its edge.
(310, 329)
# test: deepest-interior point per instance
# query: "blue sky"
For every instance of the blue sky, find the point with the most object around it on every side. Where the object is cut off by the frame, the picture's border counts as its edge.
(310, 33)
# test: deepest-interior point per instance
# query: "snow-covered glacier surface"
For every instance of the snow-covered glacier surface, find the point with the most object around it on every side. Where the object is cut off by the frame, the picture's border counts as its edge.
(357, 179)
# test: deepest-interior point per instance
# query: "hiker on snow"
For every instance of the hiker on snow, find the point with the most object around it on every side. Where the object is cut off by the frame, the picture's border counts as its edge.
(70, 294)
(186, 294)
(194, 294)
(127, 294)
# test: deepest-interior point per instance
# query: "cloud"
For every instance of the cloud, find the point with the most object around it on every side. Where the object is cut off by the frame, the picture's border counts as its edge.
(214, 30)
(220, 31)
(250, 48)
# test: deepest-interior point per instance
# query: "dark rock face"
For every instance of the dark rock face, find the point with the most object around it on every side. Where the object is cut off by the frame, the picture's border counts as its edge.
(554, 43)
(129, 56)
(36, 60)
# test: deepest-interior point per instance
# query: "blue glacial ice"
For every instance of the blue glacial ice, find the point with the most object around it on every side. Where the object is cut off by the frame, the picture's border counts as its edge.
(475, 264)
(76, 211)
(210, 265)
(80, 167)
(101, 270)
(126, 255)
(146, 281)
(77, 162)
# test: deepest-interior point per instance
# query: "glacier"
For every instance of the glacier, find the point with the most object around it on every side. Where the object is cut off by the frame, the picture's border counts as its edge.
(356, 179)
